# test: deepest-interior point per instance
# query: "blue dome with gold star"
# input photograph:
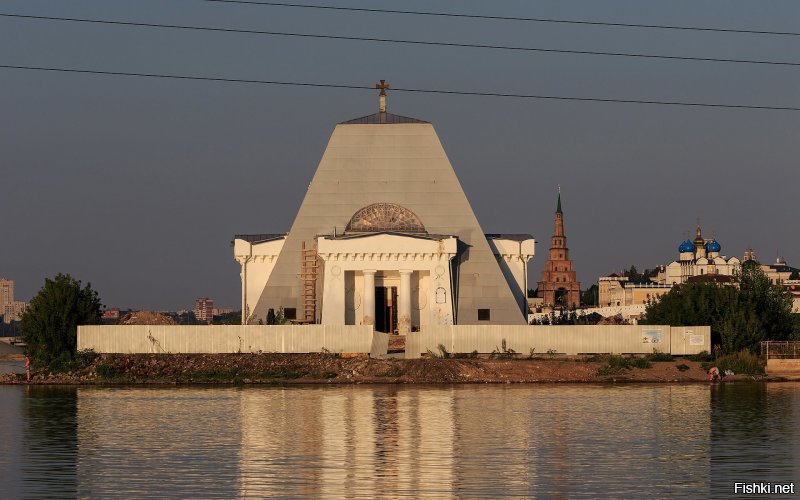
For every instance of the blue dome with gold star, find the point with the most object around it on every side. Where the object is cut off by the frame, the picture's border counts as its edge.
(713, 247)
(686, 246)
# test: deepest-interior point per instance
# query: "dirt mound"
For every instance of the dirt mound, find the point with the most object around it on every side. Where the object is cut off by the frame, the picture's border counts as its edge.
(614, 320)
(146, 318)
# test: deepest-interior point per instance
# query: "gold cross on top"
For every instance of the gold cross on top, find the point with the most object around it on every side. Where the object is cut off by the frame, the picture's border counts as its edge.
(383, 86)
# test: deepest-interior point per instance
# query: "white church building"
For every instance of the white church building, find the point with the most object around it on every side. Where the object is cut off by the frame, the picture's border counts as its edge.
(700, 257)
(385, 236)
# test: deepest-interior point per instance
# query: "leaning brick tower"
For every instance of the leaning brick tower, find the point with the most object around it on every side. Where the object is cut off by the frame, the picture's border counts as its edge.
(559, 287)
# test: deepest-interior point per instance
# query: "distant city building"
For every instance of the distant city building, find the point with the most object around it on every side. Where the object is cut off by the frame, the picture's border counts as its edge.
(699, 260)
(559, 287)
(10, 309)
(617, 290)
(219, 311)
(793, 287)
(782, 274)
(778, 273)
(6, 291)
(204, 309)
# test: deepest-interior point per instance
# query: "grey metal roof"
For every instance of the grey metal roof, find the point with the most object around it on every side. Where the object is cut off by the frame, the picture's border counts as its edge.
(783, 268)
(259, 238)
(381, 118)
(509, 236)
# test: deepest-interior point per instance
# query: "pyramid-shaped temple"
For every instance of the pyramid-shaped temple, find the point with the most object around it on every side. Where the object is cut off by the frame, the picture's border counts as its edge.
(385, 236)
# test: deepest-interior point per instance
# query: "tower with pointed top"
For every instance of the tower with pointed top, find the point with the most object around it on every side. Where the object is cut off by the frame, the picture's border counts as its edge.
(559, 287)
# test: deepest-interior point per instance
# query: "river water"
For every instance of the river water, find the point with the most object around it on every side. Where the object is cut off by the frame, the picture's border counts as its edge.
(391, 441)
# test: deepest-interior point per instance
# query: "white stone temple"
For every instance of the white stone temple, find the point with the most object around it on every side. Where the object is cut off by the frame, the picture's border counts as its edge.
(385, 236)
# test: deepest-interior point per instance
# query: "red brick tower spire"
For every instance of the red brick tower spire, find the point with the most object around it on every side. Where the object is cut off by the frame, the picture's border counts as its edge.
(559, 287)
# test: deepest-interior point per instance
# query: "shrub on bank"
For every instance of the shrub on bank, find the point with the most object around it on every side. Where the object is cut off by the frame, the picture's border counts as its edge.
(614, 365)
(742, 362)
(702, 357)
(660, 356)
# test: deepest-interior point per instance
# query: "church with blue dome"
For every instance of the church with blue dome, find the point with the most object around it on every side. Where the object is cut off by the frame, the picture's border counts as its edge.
(698, 257)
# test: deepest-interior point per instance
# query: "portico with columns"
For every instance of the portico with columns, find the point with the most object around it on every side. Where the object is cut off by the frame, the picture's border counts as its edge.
(398, 283)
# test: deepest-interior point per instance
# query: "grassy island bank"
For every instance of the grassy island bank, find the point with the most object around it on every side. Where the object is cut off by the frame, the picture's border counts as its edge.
(271, 368)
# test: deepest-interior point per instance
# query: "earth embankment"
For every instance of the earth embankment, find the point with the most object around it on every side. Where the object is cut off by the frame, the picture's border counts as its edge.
(324, 368)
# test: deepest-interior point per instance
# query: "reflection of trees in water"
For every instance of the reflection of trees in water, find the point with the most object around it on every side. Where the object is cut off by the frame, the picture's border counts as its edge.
(540, 440)
(49, 442)
(754, 434)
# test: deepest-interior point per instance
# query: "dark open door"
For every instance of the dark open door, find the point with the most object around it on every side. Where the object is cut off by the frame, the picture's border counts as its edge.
(381, 320)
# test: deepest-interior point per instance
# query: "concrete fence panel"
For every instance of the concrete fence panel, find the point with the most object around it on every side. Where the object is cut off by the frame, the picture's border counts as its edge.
(208, 339)
(578, 339)
(690, 339)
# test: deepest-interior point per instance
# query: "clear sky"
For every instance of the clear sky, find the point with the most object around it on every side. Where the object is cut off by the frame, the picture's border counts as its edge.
(138, 185)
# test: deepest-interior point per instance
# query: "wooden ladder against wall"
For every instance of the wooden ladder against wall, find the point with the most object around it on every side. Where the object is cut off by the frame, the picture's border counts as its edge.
(308, 275)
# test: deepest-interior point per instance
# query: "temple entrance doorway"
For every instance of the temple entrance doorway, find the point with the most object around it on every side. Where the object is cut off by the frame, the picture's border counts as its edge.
(560, 299)
(386, 309)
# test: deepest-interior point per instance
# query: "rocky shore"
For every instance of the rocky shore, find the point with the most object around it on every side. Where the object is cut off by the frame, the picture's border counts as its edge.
(323, 368)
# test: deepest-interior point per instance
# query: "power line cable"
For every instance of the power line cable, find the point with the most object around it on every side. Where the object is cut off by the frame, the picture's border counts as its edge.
(510, 18)
(401, 89)
(399, 41)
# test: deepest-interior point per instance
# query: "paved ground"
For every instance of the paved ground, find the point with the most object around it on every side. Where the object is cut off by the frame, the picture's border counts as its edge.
(10, 349)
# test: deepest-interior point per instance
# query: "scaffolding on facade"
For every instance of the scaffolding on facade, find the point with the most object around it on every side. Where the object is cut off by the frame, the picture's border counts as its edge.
(308, 276)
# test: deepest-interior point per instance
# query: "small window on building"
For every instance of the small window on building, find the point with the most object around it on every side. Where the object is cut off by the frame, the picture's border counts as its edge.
(484, 315)
(290, 313)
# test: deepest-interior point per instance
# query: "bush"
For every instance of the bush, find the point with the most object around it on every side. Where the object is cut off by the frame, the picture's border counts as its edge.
(613, 365)
(50, 325)
(682, 367)
(504, 352)
(84, 358)
(743, 362)
(660, 356)
(702, 357)
(640, 363)
(107, 371)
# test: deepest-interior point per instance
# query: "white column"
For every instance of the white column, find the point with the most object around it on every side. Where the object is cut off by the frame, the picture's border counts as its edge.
(404, 305)
(368, 298)
(333, 293)
(243, 262)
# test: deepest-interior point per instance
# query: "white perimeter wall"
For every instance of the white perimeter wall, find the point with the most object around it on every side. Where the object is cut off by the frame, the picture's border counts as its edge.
(617, 339)
(209, 339)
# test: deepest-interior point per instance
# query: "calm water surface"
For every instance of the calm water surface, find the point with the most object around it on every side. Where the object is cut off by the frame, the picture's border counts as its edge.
(466, 441)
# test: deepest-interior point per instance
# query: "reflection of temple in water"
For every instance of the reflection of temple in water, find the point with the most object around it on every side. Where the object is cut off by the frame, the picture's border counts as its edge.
(549, 441)
(351, 441)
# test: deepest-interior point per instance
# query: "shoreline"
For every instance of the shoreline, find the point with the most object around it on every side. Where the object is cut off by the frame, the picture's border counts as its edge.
(324, 368)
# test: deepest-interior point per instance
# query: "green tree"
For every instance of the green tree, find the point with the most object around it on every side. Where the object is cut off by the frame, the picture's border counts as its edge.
(740, 316)
(50, 324)
(231, 318)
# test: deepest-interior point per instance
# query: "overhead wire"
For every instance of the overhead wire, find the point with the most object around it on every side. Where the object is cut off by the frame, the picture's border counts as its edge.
(509, 18)
(401, 89)
(398, 41)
